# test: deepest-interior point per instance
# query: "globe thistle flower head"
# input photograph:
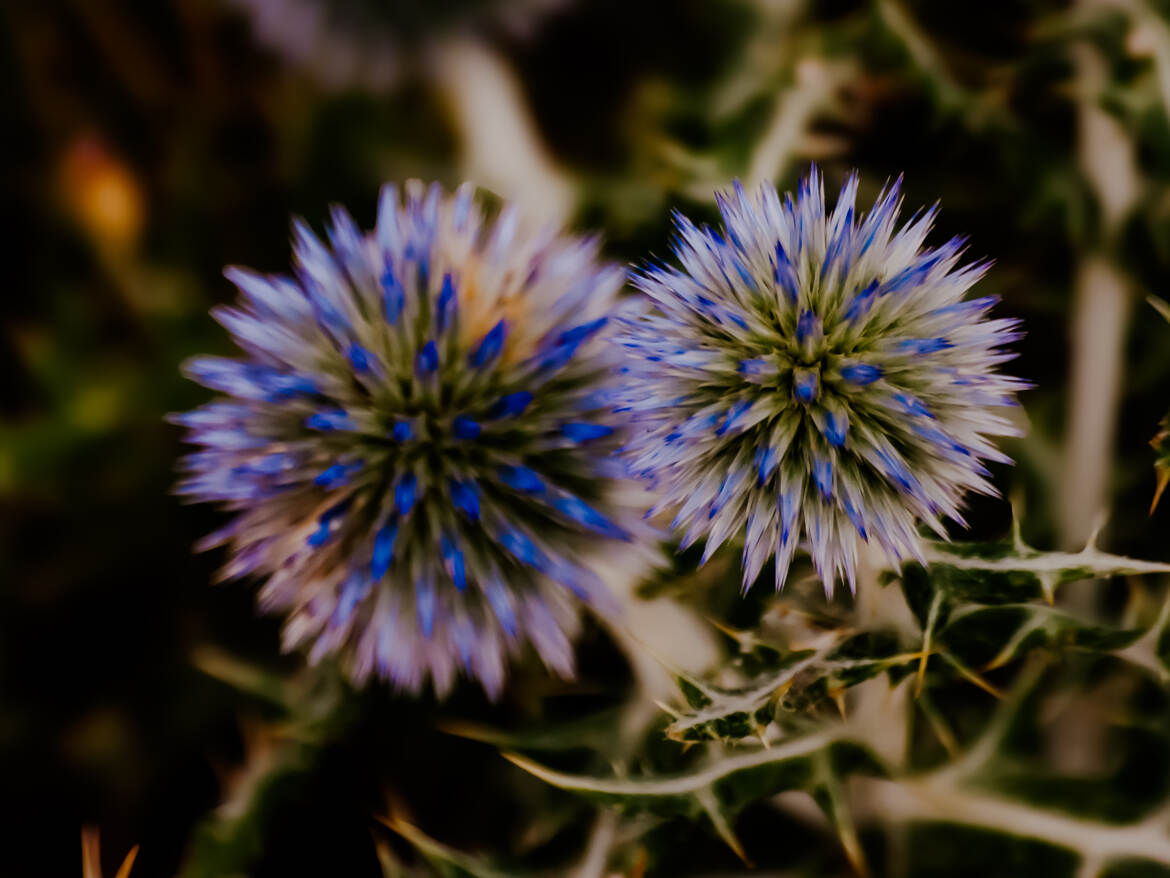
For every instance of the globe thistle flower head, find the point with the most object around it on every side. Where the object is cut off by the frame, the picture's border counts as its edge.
(418, 443)
(815, 378)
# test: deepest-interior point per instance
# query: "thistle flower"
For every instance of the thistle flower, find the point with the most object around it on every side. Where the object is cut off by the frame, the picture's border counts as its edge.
(419, 443)
(812, 378)
(369, 43)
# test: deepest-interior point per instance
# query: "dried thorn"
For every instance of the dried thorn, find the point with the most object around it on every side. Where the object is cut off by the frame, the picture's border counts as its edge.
(971, 675)
(760, 730)
(1163, 481)
(838, 697)
(719, 821)
(127, 864)
(920, 677)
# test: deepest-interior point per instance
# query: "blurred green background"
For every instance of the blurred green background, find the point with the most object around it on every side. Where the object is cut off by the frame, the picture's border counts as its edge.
(150, 143)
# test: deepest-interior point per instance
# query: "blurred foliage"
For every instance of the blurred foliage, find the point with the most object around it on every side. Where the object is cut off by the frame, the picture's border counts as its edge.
(152, 143)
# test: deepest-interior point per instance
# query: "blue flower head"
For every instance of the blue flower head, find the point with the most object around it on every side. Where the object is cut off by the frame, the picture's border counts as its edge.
(419, 441)
(816, 379)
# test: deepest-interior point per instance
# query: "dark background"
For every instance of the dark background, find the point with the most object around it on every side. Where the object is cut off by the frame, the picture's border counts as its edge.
(148, 144)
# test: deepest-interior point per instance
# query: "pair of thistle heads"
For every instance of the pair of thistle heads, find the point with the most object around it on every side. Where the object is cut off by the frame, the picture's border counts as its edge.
(429, 438)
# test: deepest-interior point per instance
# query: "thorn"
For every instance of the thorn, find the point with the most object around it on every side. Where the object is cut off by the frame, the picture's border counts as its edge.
(463, 729)
(1163, 480)
(743, 639)
(91, 864)
(666, 708)
(854, 853)
(972, 676)
(927, 636)
(945, 736)
(760, 730)
(127, 864)
(638, 870)
(719, 821)
(999, 661)
(839, 699)
(1098, 524)
(1018, 544)
(390, 821)
(836, 809)
(1159, 305)
(1048, 586)
(920, 677)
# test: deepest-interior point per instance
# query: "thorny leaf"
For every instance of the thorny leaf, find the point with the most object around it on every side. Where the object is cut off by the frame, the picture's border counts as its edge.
(799, 681)
(979, 605)
(1009, 572)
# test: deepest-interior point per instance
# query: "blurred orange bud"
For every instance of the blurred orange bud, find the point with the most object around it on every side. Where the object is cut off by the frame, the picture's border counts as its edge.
(102, 194)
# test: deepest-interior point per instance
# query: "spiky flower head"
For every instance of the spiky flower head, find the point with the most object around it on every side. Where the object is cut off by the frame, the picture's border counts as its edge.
(419, 440)
(807, 378)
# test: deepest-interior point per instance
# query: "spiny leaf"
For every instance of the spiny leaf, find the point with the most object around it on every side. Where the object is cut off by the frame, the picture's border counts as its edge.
(803, 679)
(1013, 572)
(721, 788)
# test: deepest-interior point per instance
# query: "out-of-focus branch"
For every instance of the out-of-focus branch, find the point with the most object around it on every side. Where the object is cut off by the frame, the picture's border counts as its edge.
(1101, 307)
(815, 83)
(501, 147)
(927, 799)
